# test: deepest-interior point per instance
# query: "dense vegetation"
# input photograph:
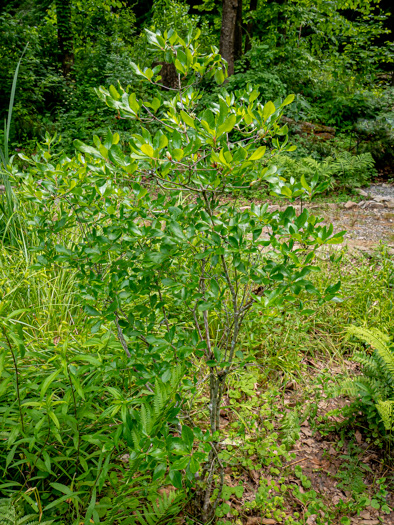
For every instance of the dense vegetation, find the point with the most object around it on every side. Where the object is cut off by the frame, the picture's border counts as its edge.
(151, 324)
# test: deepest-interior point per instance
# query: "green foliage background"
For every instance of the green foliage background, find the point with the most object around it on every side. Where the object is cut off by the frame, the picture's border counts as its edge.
(110, 332)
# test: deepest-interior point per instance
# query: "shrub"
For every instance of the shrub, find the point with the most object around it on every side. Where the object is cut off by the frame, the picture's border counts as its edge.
(147, 254)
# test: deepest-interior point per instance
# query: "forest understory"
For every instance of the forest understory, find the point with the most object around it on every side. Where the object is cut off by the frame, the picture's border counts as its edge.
(196, 262)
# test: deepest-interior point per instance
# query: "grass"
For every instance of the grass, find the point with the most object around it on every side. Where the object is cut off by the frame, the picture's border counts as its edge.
(48, 297)
(11, 223)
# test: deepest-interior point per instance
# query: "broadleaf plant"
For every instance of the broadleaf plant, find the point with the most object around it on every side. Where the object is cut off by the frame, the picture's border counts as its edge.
(163, 252)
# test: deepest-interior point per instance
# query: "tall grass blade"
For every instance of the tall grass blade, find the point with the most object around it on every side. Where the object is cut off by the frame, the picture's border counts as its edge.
(11, 218)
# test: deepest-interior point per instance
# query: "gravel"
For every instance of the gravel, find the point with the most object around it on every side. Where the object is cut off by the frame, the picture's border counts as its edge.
(383, 190)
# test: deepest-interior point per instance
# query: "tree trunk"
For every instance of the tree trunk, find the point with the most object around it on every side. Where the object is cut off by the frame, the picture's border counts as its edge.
(64, 35)
(227, 34)
(249, 29)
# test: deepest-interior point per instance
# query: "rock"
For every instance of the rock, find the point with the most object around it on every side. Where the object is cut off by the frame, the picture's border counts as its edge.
(390, 204)
(374, 205)
(369, 522)
(311, 520)
(350, 204)
(378, 198)
(362, 193)
(365, 515)
(361, 204)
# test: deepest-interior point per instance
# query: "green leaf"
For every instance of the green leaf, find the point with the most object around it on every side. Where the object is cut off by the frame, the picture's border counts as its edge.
(48, 381)
(304, 184)
(194, 464)
(2, 361)
(159, 471)
(219, 76)
(91, 311)
(227, 125)
(215, 288)
(86, 149)
(114, 92)
(258, 154)
(147, 150)
(187, 436)
(61, 488)
(176, 478)
(286, 191)
(288, 100)
(177, 154)
(188, 119)
(176, 231)
(181, 463)
(268, 110)
(116, 155)
(155, 104)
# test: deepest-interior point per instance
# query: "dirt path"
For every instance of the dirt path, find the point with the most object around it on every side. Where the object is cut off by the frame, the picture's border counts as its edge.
(367, 223)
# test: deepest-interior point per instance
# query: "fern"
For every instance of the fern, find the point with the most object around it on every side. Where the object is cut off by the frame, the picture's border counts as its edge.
(371, 336)
(11, 514)
(158, 509)
(351, 169)
(375, 388)
(161, 509)
(386, 412)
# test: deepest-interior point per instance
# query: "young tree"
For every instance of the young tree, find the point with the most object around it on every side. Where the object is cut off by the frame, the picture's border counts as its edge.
(142, 255)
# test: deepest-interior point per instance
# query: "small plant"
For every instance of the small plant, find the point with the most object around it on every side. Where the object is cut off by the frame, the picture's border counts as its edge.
(374, 389)
(12, 514)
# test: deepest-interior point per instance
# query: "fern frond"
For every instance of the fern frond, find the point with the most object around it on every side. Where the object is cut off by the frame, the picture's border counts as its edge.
(146, 418)
(346, 388)
(383, 357)
(368, 362)
(372, 336)
(368, 386)
(177, 374)
(387, 357)
(361, 386)
(160, 398)
(386, 412)
(161, 509)
(10, 515)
